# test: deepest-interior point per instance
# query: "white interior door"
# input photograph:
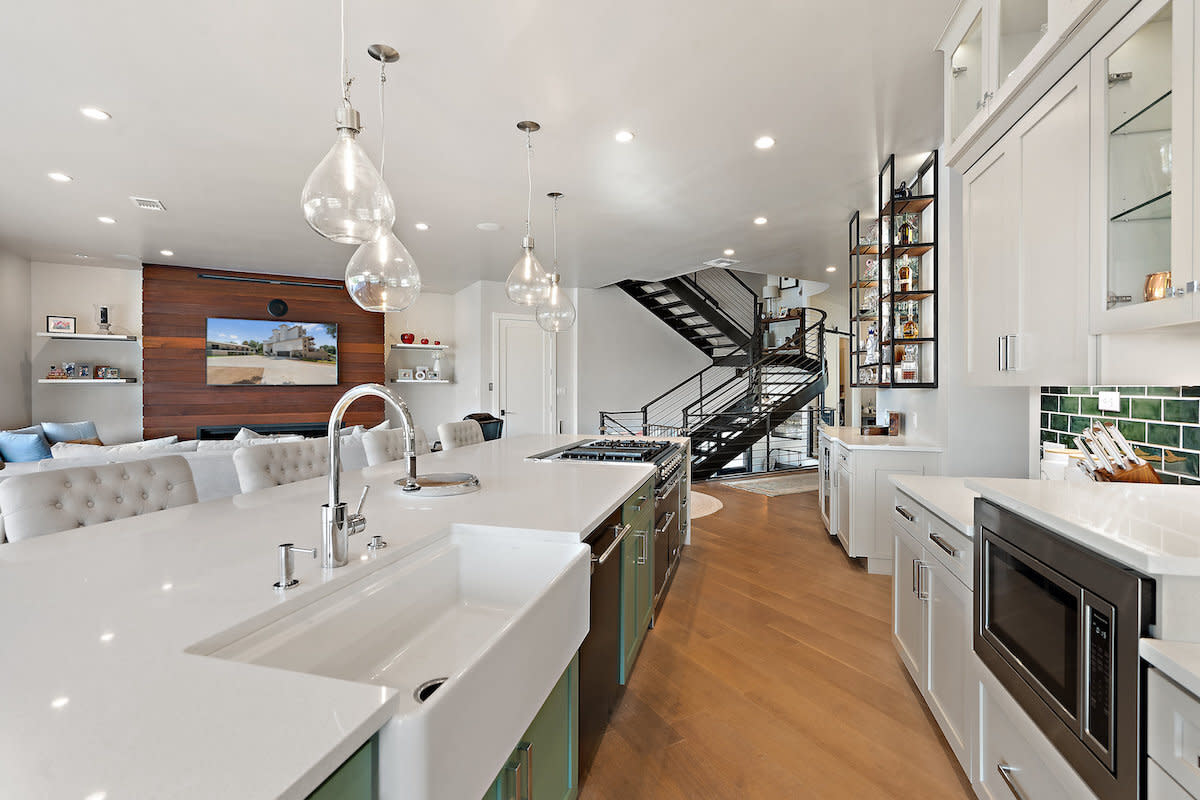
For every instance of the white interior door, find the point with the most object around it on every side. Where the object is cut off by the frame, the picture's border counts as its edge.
(524, 368)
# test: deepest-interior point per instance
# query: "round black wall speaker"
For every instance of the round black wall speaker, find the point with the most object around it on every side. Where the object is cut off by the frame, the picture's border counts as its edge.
(277, 307)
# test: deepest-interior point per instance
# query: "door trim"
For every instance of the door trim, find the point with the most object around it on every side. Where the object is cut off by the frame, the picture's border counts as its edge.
(550, 353)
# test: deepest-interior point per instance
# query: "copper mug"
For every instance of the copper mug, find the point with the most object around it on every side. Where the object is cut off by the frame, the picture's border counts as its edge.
(1158, 285)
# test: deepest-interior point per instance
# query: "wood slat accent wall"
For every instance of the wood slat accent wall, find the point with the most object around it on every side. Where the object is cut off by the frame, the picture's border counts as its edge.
(176, 302)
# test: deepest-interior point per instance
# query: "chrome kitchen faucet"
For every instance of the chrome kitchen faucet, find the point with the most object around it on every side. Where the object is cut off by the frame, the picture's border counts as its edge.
(337, 525)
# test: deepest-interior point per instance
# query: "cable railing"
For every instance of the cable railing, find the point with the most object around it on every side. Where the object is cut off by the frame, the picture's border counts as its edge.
(789, 442)
(729, 295)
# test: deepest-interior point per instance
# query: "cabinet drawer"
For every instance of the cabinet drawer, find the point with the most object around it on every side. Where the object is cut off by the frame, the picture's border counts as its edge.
(951, 547)
(1160, 786)
(640, 502)
(1173, 730)
(909, 515)
(1015, 756)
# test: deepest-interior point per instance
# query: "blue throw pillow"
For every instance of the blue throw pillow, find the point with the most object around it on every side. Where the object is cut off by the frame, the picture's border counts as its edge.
(69, 431)
(16, 446)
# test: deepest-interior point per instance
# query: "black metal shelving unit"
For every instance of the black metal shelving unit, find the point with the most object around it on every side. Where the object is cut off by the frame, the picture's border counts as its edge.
(876, 299)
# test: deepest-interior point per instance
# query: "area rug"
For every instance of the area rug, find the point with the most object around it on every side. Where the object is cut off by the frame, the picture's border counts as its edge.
(775, 485)
(703, 504)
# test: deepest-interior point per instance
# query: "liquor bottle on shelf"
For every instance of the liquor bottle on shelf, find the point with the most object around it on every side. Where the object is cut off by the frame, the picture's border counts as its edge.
(909, 328)
(907, 233)
(906, 275)
(909, 364)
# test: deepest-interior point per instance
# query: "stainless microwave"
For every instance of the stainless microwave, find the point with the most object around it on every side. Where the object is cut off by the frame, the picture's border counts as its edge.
(1059, 626)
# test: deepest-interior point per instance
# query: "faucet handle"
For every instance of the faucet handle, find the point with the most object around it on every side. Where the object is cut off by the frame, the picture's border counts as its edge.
(356, 522)
(287, 564)
(362, 500)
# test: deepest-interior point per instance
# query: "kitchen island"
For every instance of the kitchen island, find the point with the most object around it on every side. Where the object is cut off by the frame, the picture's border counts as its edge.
(102, 697)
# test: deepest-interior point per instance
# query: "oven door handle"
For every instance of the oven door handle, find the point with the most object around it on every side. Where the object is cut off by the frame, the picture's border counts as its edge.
(670, 487)
(622, 532)
(670, 517)
(1006, 775)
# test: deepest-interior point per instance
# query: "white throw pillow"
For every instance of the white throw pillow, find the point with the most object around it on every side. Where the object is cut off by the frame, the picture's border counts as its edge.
(386, 425)
(218, 444)
(273, 440)
(152, 444)
(246, 435)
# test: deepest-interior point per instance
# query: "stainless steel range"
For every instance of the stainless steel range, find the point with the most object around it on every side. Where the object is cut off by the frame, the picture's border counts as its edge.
(667, 456)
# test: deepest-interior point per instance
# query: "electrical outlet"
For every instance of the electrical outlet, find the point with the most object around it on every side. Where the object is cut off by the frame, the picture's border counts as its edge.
(1110, 401)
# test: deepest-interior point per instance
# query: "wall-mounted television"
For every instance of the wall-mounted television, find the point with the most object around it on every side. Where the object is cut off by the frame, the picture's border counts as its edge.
(260, 352)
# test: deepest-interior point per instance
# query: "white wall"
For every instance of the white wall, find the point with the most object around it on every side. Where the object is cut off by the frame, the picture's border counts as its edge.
(626, 356)
(985, 430)
(74, 291)
(1161, 357)
(432, 317)
(16, 397)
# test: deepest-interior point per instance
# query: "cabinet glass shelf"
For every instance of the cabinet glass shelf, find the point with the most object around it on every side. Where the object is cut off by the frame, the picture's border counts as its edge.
(1155, 208)
(1153, 118)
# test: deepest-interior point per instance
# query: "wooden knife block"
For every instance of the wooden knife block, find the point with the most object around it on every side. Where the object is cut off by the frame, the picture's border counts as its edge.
(1142, 473)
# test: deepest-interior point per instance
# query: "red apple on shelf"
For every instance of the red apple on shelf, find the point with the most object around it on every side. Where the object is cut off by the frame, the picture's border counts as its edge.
(407, 338)
(436, 342)
(424, 341)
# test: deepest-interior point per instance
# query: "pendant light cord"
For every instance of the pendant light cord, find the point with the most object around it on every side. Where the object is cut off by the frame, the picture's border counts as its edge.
(555, 235)
(345, 66)
(382, 121)
(529, 175)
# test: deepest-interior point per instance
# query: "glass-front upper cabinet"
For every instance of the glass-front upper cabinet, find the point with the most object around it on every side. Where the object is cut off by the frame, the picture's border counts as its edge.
(966, 78)
(1020, 25)
(1141, 169)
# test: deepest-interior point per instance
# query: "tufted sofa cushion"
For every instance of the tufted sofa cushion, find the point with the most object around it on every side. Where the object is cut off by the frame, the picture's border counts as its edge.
(460, 434)
(48, 502)
(276, 464)
(384, 446)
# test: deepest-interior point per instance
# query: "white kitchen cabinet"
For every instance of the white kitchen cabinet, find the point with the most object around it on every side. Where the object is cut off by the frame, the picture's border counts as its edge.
(844, 511)
(1025, 246)
(1142, 173)
(908, 607)
(991, 48)
(826, 498)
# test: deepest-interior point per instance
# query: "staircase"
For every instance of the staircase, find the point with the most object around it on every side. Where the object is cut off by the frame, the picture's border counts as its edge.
(747, 395)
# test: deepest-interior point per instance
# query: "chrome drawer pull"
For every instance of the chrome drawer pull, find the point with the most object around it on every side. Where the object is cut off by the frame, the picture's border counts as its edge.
(623, 531)
(950, 549)
(1006, 774)
(641, 537)
(667, 523)
(902, 511)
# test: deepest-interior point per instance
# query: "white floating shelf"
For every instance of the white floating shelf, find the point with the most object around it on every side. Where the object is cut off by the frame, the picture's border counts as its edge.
(420, 347)
(87, 380)
(93, 337)
(414, 380)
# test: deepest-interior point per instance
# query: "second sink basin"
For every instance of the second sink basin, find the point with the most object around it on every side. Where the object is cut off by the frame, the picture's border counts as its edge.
(497, 613)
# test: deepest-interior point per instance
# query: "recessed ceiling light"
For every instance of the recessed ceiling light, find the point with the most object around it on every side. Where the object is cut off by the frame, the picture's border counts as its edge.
(831, 268)
(764, 143)
(107, 220)
(91, 112)
(166, 587)
(728, 252)
(624, 136)
(167, 252)
(489, 226)
(421, 226)
(107, 636)
(760, 220)
(82, 255)
(59, 702)
(61, 177)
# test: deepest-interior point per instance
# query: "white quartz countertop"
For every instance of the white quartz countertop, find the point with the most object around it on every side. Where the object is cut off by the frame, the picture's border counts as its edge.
(1152, 528)
(1179, 661)
(949, 498)
(98, 694)
(851, 438)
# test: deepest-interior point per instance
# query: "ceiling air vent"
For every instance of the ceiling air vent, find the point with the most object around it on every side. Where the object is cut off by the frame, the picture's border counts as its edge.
(725, 263)
(148, 204)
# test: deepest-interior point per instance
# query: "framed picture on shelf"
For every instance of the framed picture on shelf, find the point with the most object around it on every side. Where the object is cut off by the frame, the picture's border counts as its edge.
(788, 283)
(60, 324)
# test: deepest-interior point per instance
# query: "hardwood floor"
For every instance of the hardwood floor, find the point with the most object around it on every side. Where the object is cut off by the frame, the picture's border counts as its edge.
(771, 673)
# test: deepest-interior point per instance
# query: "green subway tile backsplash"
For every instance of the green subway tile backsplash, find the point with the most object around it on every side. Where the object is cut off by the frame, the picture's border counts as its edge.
(1161, 422)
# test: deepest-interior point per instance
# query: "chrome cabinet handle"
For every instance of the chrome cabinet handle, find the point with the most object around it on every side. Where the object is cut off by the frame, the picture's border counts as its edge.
(1001, 355)
(1006, 774)
(1010, 363)
(915, 575)
(641, 537)
(922, 580)
(950, 549)
(667, 524)
(622, 532)
(904, 512)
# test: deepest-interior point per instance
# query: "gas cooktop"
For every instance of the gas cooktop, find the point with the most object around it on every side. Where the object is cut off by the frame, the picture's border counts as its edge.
(617, 450)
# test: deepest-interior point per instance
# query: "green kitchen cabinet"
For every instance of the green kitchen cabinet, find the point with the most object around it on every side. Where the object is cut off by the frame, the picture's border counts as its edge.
(637, 575)
(356, 779)
(545, 762)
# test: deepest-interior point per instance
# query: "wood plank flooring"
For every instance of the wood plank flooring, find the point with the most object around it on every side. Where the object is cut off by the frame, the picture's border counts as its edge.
(771, 673)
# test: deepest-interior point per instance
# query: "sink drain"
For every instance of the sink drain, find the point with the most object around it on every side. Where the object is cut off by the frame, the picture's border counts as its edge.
(426, 689)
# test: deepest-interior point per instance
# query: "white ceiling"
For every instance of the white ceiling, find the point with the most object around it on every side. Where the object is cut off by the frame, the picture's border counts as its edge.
(221, 109)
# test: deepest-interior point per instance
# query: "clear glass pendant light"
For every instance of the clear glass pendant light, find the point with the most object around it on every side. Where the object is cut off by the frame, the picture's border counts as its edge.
(381, 275)
(345, 198)
(557, 314)
(528, 284)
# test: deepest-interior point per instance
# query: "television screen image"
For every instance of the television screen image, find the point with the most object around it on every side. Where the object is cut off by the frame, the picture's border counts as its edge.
(259, 352)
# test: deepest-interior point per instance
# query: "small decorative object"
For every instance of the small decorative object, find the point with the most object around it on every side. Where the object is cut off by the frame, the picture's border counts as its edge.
(1157, 284)
(407, 338)
(868, 299)
(907, 233)
(424, 341)
(902, 191)
(435, 371)
(895, 423)
(112, 373)
(420, 374)
(277, 307)
(99, 371)
(909, 329)
(102, 323)
(83, 370)
(404, 375)
(434, 375)
(68, 368)
(788, 283)
(60, 324)
(870, 269)
(908, 364)
(56, 373)
(436, 342)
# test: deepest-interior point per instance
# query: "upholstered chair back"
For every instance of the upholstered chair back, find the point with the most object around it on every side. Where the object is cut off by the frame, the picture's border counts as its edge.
(267, 465)
(460, 434)
(385, 446)
(48, 502)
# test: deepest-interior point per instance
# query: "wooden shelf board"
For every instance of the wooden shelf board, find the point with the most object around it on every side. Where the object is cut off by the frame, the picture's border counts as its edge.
(912, 205)
(91, 337)
(865, 250)
(919, 249)
(917, 295)
(864, 284)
